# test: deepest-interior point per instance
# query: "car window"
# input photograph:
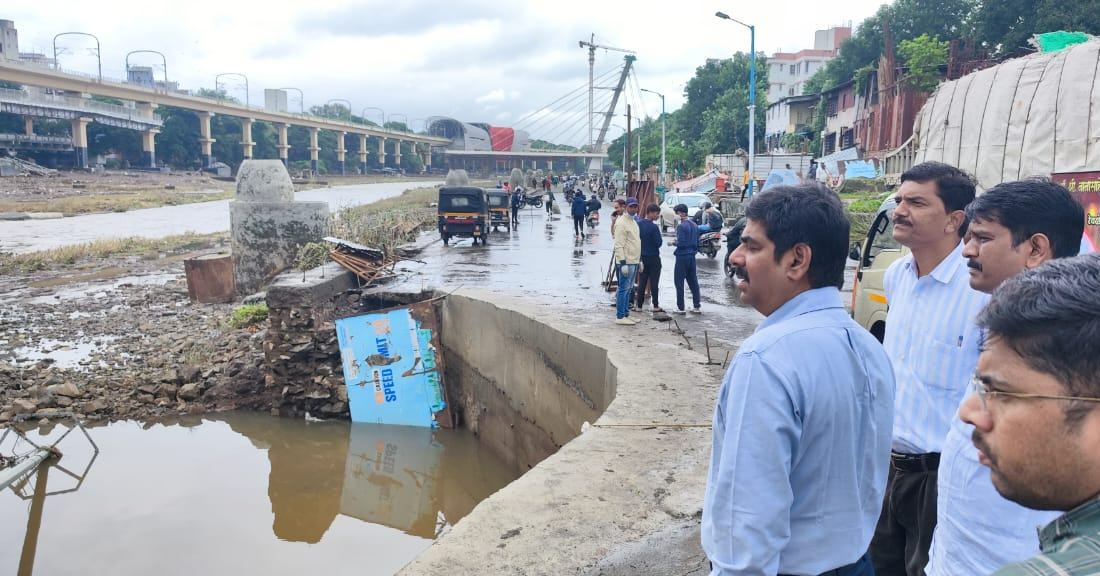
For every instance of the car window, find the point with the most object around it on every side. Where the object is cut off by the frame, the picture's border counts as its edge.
(692, 201)
(881, 236)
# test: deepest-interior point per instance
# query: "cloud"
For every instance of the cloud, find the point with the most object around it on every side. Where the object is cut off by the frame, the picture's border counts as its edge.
(493, 96)
(408, 17)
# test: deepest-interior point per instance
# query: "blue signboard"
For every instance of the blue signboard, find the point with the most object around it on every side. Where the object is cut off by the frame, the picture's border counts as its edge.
(392, 368)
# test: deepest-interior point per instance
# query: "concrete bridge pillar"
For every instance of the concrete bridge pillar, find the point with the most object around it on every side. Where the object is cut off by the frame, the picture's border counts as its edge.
(149, 147)
(284, 143)
(314, 148)
(205, 140)
(363, 153)
(341, 152)
(382, 152)
(145, 108)
(397, 155)
(28, 125)
(80, 142)
(246, 137)
(428, 156)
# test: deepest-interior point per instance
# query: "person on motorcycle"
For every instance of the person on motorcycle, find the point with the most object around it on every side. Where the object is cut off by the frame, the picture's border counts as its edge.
(579, 210)
(709, 218)
(518, 199)
(593, 205)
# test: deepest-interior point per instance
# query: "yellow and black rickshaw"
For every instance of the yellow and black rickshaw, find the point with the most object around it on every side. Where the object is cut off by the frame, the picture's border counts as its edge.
(499, 210)
(463, 212)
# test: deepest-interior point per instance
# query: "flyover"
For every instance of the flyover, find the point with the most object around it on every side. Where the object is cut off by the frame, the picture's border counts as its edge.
(147, 99)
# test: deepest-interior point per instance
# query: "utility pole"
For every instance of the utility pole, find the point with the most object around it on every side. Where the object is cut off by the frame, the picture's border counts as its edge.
(629, 170)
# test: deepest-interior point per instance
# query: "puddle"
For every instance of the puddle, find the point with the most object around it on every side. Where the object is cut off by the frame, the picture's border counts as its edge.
(100, 289)
(243, 493)
(65, 354)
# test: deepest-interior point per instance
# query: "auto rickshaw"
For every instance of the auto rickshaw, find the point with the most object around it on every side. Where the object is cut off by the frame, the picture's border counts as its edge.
(498, 209)
(463, 212)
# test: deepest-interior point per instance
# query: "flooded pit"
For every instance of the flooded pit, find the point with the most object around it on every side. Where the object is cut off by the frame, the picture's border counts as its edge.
(243, 493)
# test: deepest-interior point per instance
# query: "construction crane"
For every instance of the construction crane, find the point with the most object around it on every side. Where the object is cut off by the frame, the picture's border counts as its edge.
(592, 46)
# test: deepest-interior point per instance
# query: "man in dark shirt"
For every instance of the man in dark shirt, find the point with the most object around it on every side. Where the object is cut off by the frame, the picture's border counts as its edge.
(687, 244)
(517, 202)
(579, 210)
(651, 255)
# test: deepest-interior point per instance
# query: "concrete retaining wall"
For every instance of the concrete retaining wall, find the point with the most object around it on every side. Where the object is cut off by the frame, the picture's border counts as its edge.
(525, 389)
(625, 496)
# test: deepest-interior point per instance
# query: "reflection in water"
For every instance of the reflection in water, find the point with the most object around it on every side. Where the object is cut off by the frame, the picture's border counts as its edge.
(417, 480)
(358, 495)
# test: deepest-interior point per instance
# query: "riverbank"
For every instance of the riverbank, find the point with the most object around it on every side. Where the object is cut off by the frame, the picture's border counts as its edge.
(70, 193)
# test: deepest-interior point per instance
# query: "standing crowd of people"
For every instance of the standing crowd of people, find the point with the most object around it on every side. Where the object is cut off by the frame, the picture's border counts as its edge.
(966, 443)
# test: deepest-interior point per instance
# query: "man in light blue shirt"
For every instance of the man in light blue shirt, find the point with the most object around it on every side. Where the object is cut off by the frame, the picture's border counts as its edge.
(1014, 226)
(803, 419)
(933, 344)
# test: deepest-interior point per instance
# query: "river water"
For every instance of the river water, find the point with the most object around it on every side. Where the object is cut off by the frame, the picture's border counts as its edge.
(243, 493)
(202, 218)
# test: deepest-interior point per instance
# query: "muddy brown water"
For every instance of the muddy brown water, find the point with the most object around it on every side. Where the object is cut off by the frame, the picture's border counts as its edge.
(244, 493)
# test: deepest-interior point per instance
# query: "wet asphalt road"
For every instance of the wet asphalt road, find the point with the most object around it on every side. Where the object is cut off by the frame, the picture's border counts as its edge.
(542, 260)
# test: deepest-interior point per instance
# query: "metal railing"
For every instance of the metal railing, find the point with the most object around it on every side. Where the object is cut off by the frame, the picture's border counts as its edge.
(79, 104)
(897, 161)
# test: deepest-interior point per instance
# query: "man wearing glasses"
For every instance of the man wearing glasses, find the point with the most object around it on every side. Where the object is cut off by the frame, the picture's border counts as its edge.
(1034, 410)
(1014, 226)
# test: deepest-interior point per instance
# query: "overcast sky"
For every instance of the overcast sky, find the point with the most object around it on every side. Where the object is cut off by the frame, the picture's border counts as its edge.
(494, 61)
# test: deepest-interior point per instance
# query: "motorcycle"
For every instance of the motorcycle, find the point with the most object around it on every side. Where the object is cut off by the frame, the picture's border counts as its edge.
(593, 219)
(709, 242)
(533, 200)
(733, 240)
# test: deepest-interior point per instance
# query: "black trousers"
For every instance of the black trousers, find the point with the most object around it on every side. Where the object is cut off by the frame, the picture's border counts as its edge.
(578, 224)
(651, 275)
(904, 531)
(685, 270)
(515, 214)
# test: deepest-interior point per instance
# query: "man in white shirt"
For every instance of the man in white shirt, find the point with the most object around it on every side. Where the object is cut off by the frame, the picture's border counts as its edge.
(1014, 226)
(933, 345)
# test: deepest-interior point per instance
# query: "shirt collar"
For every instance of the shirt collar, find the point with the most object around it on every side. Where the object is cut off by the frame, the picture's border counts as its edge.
(946, 269)
(809, 301)
(1084, 519)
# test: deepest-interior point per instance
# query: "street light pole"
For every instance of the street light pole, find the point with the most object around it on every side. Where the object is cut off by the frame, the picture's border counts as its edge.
(301, 98)
(343, 101)
(247, 102)
(752, 99)
(98, 52)
(381, 111)
(163, 59)
(664, 167)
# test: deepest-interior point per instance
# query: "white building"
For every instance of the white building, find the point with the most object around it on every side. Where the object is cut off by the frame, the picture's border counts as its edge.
(788, 71)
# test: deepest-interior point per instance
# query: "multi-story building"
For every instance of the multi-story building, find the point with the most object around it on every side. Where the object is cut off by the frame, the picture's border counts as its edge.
(789, 71)
(790, 115)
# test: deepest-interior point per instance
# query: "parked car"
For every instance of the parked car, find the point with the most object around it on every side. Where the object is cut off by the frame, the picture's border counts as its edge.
(692, 200)
(875, 254)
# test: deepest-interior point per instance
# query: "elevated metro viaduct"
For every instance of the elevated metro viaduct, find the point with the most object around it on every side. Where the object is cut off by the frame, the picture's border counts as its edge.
(147, 99)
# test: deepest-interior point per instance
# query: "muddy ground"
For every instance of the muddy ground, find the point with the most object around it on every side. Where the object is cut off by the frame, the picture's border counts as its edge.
(119, 338)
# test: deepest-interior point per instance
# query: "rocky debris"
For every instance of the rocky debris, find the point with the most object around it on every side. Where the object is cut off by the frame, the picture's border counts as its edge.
(152, 352)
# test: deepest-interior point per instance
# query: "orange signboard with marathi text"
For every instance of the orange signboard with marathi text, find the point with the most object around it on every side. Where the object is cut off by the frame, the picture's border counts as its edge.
(1085, 188)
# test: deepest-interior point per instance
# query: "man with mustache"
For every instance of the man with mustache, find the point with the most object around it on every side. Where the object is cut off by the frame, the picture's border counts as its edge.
(802, 424)
(933, 346)
(1034, 408)
(1014, 226)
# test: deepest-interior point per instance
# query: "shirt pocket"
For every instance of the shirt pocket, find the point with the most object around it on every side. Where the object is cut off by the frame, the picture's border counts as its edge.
(939, 365)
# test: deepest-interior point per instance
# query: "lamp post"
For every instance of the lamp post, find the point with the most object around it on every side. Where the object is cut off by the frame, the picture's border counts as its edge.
(401, 115)
(380, 111)
(663, 166)
(301, 98)
(247, 102)
(162, 58)
(98, 53)
(342, 101)
(624, 148)
(752, 99)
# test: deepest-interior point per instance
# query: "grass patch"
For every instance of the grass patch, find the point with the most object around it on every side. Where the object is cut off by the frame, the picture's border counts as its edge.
(248, 315)
(860, 223)
(119, 202)
(70, 255)
(388, 223)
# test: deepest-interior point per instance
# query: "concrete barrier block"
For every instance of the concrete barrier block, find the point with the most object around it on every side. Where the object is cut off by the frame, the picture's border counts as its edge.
(266, 237)
(264, 181)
